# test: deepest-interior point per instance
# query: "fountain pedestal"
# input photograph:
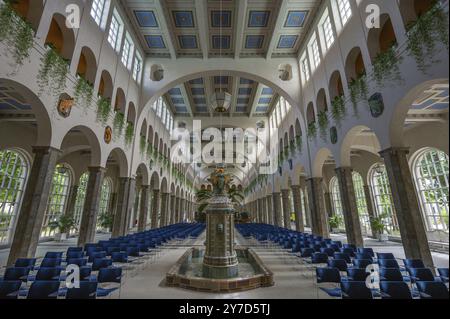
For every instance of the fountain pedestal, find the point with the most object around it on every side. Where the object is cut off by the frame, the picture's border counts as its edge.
(220, 260)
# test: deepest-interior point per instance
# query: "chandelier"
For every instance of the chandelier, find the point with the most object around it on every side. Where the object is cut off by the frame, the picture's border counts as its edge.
(220, 102)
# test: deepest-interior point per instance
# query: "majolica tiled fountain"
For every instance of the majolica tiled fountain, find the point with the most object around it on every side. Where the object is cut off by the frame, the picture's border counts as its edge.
(220, 267)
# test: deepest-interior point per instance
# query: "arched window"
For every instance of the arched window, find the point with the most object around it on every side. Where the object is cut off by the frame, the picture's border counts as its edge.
(336, 199)
(57, 200)
(105, 198)
(431, 176)
(361, 203)
(81, 197)
(382, 197)
(13, 176)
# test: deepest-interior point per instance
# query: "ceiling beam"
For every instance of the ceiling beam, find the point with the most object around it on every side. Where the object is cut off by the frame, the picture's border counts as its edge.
(241, 13)
(202, 20)
(234, 95)
(255, 101)
(165, 28)
(188, 99)
(278, 26)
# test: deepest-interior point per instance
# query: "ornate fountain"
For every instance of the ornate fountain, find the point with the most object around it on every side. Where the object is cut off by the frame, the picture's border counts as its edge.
(220, 267)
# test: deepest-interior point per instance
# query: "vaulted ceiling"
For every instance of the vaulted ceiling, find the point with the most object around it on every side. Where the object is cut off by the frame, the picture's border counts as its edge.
(227, 28)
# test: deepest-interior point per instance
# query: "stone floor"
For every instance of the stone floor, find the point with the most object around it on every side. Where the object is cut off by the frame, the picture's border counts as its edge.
(292, 279)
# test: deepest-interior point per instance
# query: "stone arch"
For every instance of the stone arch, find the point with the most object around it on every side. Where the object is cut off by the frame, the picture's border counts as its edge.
(150, 135)
(322, 104)
(380, 40)
(412, 9)
(142, 170)
(310, 113)
(87, 65)
(131, 117)
(155, 181)
(61, 38)
(354, 65)
(352, 137)
(321, 157)
(120, 103)
(118, 157)
(105, 88)
(30, 10)
(164, 185)
(336, 87)
(298, 129)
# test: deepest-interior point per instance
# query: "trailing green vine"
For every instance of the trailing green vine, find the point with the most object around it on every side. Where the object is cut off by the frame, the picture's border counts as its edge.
(338, 109)
(84, 91)
(386, 67)
(103, 110)
(129, 134)
(299, 143)
(358, 90)
(15, 32)
(424, 34)
(312, 130)
(149, 151)
(142, 144)
(54, 68)
(119, 123)
(323, 123)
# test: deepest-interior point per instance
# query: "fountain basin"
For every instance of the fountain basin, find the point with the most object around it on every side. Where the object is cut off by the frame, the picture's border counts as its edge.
(188, 273)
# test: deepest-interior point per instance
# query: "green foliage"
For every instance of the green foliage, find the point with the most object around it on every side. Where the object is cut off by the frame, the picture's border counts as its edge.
(335, 221)
(312, 130)
(64, 224)
(299, 143)
(149, 151)
(129, 134)
(142, 144)
(203, 195)
(119, 123)
(358, 90)
(378, 223)
(286, 151)
(53, 72)
(105, 221)
(103, 110)
(323, 123)
(386, 67)
(16, 33)
(84, 91)
(424, 34)
(338, 109)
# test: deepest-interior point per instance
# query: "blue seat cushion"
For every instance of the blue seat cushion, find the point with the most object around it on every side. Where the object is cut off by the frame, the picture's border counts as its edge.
(104, 292)
(332, 292)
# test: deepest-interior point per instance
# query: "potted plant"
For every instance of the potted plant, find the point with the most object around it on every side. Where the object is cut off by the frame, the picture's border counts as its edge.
(64, 225)
(105, 221)
(378, 227)
(335, 221)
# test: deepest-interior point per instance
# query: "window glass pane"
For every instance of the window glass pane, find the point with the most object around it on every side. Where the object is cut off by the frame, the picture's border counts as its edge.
(315, 54)
(79, 201)
(361, 203)
(97, 11)
(115, 31)
(328, 32)
(137, 68)
(336, 200)
(345, 10)
(105, 197)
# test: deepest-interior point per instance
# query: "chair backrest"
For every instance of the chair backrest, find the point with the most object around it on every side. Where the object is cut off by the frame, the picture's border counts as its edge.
(71, 249)
(388, 263)
(110, 275)
(25, 262)
(443, 273)
(100, 263)
(74, 254)
(96, 255)
(395, 290)
(413, 263)
(421, 274)
(390, 274)
(357, 274)
(366, 256)
(340, 264)
(344, 256)
(328, 251)
(385, 256)
(9, 289)
(48, 274)
(307, 252)
(355, 290)
(16, 273)
(87, 290)
(43, 290)
(119, 257)
(319, 258)
(348, 251)
(364, 250)
(328, 275)
(350, 246)
(80, 262)
(362, 263)
(432, 290)
(53, 254)
(50, 262)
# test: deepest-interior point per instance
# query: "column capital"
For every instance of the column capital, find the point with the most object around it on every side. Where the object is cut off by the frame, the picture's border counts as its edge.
(45, 149)
(394, 151)
(96, 169)
(296, 187)
(145, 186)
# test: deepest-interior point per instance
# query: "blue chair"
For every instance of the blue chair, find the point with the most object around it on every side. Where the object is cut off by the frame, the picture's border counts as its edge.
(357, 274)
(391, 274)
(349, 246)
(119, 257)
(413, 263)
(74, 249)
(385, 256)
(133, 251)
(319, 258)
(16, 273)
(25, 262)
(43, 290)
(362, 263)
(47, 274)
(10, 289)
(368, 251)
(355, 290)
(389, 263)
(87, 290)
(421, 274)
(365, 256)
(329, 275)
(108, 275)
(306, 252)
(432, 290)
(100, 263)
(395, 290)
(80, 262)
(74, 255)
(53, 255)
(338, 263)
(443, 273)
(348, 251)
(329, 251)
(96, 255)
(50, 263)
(344, 256)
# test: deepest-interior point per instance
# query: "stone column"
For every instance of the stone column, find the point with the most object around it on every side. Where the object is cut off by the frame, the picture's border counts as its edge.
(370, 208)
(71, 201)
(270, 214)
(34, 204)
(278, 218)
(328, 206)
(182, 211)
(264, 206)
(155, 209)
(132, 199)
(349, 206)
(142, 220)
(260, 211)
(172, 210)
(319, 223)
(134, 219)
(287, 209)
(410, 221)
(177, 210)
(123, 206)
(296, 194)
(88, 222)
(164, 209)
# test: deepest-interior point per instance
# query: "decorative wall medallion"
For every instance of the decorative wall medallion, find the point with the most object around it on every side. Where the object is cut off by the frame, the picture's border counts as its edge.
(108, 134)
(333, 135)
(65, 105)
(376, 105)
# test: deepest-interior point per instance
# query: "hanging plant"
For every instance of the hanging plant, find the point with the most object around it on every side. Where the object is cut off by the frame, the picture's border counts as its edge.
(129, 133)
(142, 144)
(323, 123)
(286, 151)
(292, 146)
(299, 142)
(15, 32)
(119, 123)
(338, 108)
(149, 151)
(386, 67)
(84, 91)
(312, 130)
(103, 110)
(424, 34)
(358, 90)
(54, 68)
